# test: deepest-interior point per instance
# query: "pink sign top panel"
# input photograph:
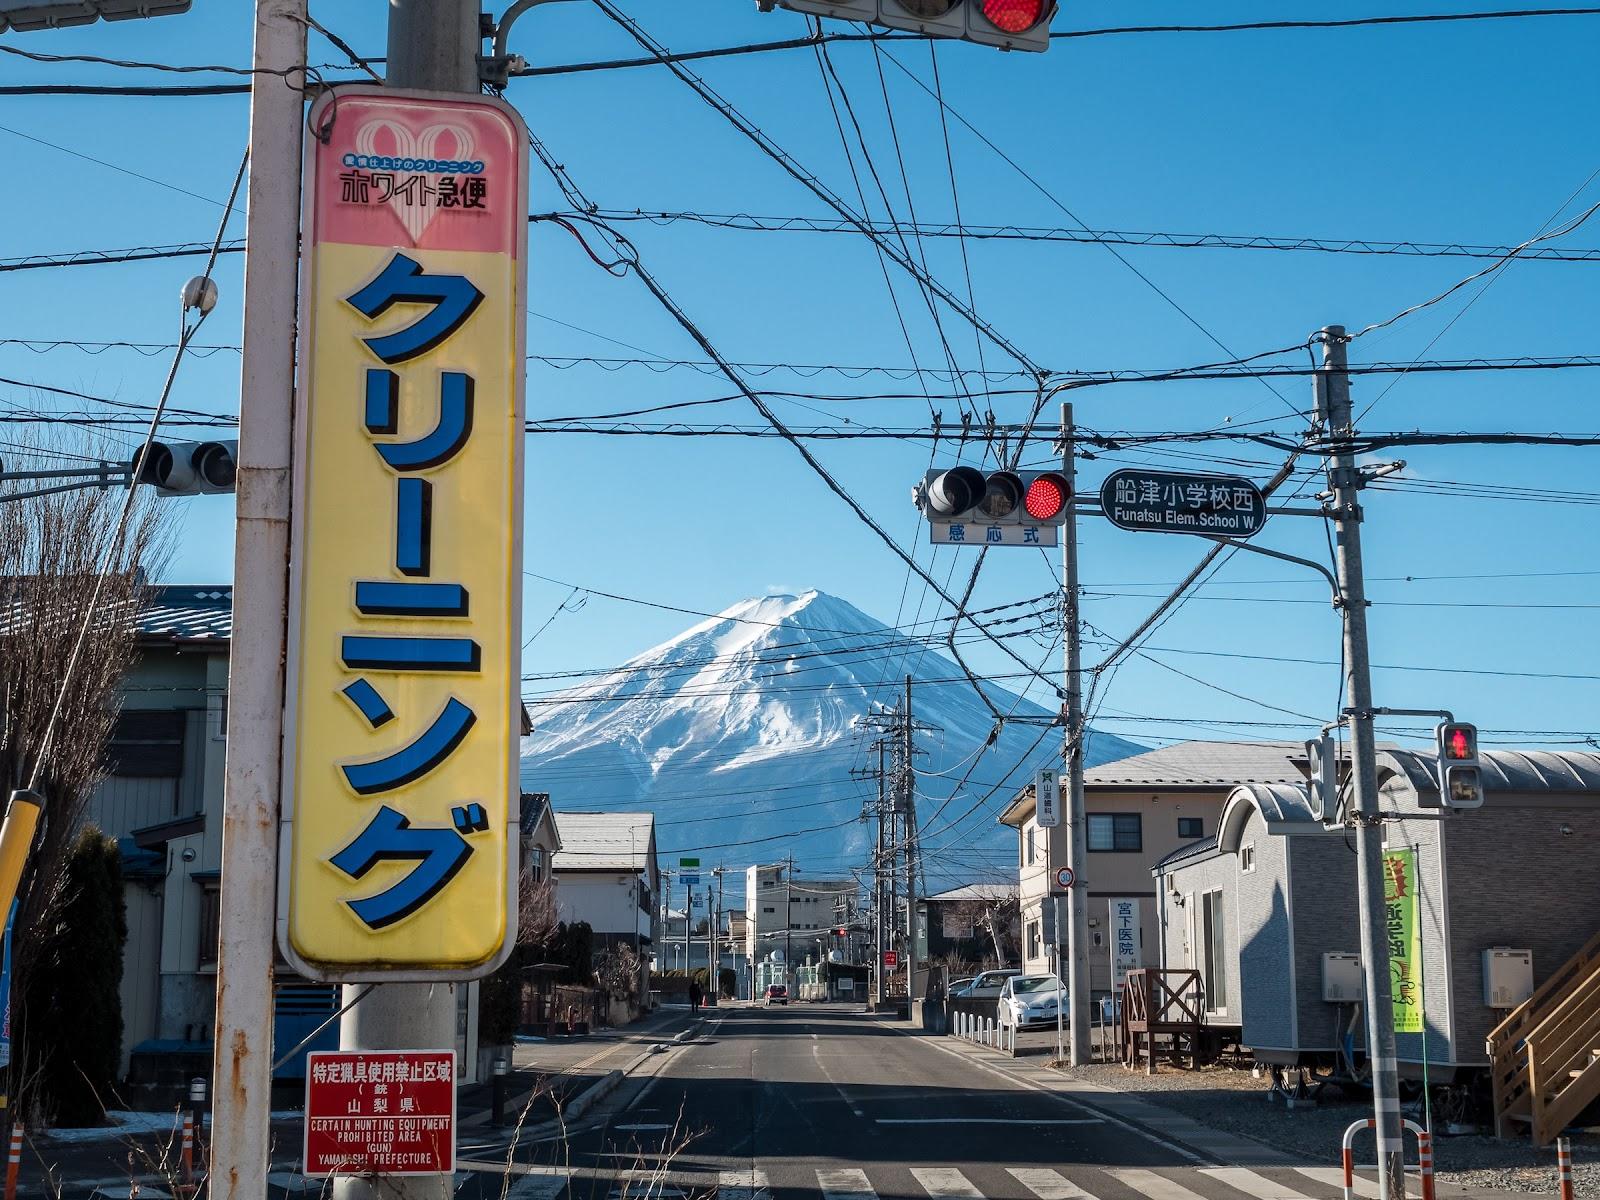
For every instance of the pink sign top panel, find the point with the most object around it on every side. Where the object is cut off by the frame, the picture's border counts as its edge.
(417, 172)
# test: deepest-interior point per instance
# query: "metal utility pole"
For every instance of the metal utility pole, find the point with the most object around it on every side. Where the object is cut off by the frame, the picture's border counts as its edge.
(1077, 823)
(880, 898)
(433, 46)
(242, 1070)
(714, 937)
(1332, 391)
(688, 916)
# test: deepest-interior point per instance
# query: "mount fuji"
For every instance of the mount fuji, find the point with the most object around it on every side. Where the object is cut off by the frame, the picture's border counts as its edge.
(744, 736)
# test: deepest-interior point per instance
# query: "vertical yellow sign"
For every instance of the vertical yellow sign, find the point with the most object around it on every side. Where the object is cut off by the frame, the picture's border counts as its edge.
(403, 682)
(1403, 931)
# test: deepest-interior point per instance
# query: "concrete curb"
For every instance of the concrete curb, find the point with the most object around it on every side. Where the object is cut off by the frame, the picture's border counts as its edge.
(596, 1091)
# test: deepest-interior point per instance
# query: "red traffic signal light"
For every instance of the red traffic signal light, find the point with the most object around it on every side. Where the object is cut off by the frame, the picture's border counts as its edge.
(1458, 743)
(1014, 16)
(1047, 496)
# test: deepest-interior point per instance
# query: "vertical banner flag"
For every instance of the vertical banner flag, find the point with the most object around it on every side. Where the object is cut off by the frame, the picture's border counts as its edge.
(1125, 951)
(400, 737)
(1403, 930)
(5, 1002)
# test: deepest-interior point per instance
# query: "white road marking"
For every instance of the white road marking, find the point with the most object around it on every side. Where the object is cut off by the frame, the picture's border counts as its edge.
(845, 1184)
(988, 1121)
(537, 1187)
(1334, 1177)
(1252, 1184)
(816, 1053)
(750, 1184)
(1047, 1184)
(1151, 1185)
(945, 1183)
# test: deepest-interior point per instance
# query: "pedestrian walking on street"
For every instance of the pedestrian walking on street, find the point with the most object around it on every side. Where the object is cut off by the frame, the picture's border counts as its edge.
(694, 995)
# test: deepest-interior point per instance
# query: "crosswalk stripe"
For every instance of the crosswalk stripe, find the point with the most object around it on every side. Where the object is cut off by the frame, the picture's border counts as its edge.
(1047, 1184)
(1151, 1185)
(1252, 1184)
(845, 1185)
(945, 1183)
(537, 1187)
(748, 1184)
(1334, 1177)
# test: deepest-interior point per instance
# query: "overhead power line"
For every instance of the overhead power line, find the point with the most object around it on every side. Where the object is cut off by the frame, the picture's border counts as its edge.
(1024, 233)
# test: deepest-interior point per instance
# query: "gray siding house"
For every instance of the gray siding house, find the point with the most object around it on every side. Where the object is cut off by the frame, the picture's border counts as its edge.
(1256, 908)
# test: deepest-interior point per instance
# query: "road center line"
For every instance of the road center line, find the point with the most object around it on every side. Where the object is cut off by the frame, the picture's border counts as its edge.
(816, 1053)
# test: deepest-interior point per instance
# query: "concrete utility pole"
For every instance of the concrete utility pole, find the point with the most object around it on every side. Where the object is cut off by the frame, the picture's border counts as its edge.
(1332, 391)
(788, 919)
(433, 46)
(1077, 823)
(242, 1071)
(714, 937)
(908, 811)
(880, 898)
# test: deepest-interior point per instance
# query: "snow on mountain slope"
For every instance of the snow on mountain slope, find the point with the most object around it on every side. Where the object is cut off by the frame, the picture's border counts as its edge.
(742, 733)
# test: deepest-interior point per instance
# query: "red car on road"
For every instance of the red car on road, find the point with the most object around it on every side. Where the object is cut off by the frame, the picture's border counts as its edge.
(777, 993)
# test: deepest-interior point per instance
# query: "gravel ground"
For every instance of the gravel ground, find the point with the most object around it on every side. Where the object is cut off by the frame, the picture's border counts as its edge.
(1233, 1100)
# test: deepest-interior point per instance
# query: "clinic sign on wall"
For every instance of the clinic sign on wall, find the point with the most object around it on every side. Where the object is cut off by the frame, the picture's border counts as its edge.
(400, 746)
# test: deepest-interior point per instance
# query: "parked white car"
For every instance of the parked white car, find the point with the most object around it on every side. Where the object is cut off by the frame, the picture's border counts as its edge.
(1027, 1001)
(987, 985)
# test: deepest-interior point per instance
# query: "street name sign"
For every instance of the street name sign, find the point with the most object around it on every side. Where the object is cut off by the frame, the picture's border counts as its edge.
(1180, 502)
(1046, 799)
(375, 1112)
(401, 710)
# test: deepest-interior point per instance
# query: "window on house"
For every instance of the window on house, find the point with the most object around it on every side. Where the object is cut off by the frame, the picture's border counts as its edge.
(769, 910)
(1028, 857)
(1214, 944)
(1247, 858)
(1033, 939)
(210, 922)
(1121, 832)
(536, 864)
(147, 745)
(1191, 827)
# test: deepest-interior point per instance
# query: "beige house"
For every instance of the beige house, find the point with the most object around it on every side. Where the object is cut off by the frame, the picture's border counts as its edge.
(1139, 810)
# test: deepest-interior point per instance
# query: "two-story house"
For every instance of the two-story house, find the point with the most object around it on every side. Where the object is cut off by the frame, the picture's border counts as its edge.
(1138, 810)
(607, 875)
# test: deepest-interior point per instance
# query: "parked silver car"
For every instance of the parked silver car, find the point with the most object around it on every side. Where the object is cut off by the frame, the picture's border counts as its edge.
(987, 985)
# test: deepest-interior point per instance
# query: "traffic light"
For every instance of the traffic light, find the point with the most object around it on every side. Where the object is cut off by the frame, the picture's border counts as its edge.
(965, 495)
(1008, 24)
(187, 468)
(1323, 756)
(1460, 776)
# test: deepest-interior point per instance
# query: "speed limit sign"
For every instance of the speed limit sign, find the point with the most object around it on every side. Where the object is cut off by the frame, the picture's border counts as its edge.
(1064, 877)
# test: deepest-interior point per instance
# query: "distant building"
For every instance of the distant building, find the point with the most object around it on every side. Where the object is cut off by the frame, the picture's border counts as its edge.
(607, 875)
(795, 916)
(958, 928)
(1139, 810)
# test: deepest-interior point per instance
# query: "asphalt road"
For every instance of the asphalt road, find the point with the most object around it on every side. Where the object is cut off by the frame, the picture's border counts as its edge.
(822, 1103)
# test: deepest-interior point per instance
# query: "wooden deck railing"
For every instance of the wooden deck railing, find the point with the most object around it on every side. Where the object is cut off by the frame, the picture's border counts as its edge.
(1544, 1058)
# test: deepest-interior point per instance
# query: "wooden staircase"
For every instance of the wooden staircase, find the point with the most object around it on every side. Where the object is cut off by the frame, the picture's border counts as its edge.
(1544, 1058)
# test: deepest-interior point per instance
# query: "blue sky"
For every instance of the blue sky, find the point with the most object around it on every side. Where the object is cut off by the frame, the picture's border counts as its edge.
(1474, 132)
